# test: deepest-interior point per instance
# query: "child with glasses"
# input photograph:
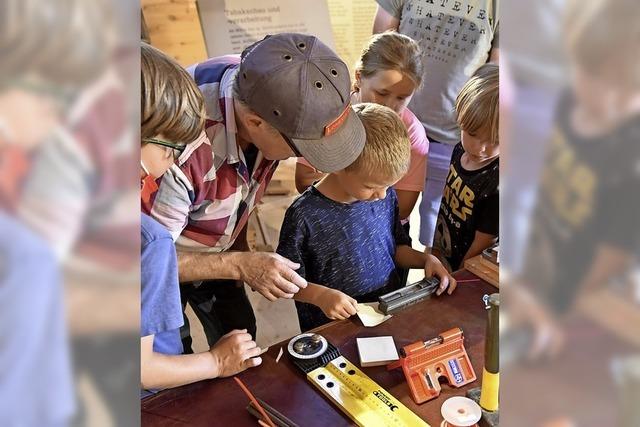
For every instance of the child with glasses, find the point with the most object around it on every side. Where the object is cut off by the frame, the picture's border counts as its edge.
(177, 149)
(173, 115)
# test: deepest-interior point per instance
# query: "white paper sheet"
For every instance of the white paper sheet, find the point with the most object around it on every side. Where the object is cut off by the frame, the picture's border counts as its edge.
(370, 316)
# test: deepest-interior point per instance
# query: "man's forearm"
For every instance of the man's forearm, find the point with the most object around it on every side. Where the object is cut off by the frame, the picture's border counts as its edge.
(407, 257)
(194, 266)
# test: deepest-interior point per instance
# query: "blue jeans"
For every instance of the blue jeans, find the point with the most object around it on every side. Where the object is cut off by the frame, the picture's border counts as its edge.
(532, 121)
(437, 171)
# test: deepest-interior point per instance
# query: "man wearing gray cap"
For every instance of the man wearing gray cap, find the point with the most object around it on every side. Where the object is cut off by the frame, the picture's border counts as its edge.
(288, 95)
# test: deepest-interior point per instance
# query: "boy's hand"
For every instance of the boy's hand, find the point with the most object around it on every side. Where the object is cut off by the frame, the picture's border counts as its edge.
(234, 353)
(337, 305)
(433, 267)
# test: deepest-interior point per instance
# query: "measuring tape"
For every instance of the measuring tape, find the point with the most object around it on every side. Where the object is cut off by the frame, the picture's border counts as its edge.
(357, 395)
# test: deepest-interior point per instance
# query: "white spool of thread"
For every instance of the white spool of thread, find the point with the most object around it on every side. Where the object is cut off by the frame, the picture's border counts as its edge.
(460, 411)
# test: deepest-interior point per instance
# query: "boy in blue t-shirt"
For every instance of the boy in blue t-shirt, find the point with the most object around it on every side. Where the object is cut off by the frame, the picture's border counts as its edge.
(345, 230)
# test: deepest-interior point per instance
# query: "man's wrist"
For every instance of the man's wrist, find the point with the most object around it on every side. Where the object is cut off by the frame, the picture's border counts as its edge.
(234, 262)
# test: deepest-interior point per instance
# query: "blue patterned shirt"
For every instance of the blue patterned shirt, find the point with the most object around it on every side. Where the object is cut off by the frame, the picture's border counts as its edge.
(348, 247)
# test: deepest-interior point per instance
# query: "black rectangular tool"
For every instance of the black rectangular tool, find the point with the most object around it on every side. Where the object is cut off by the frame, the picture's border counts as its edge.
(277, 418)
(491, 254)
(410, 294)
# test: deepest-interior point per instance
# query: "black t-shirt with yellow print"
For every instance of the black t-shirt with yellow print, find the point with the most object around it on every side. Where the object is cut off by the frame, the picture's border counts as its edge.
(470, 203)
(589, 196)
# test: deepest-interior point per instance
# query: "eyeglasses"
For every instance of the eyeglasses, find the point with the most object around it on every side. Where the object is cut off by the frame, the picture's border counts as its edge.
(291, 145)
(177, 149)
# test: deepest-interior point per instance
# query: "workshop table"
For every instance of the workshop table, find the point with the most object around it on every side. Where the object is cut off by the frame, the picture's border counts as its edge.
(220, 402)
(576, 388)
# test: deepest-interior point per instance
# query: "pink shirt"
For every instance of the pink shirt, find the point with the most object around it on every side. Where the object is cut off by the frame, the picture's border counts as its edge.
(415, 177)
(417, 173)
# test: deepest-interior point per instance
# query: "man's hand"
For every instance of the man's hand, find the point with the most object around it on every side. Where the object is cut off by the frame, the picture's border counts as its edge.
(336, 305)
(270, 274)
(234, 353)
(433, 267)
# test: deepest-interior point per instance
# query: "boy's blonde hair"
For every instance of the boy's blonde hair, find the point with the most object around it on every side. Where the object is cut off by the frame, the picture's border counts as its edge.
(391, 51)
(172, 105)
(388, 150)
(477, 105)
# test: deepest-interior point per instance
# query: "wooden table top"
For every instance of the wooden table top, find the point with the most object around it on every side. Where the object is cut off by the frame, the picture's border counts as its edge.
(284, 387)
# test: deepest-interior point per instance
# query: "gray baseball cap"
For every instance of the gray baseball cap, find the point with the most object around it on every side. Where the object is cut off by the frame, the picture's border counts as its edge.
(302, 88)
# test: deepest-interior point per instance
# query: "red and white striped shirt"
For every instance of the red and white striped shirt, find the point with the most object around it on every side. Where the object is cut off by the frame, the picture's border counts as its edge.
(205, 199)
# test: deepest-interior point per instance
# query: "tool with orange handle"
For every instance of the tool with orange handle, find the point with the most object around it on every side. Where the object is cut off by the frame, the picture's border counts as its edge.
(424, 362)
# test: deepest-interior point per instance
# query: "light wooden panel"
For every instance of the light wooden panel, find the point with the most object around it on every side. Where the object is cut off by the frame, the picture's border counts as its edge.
(352, 22)
(174, 27)
(484, 269)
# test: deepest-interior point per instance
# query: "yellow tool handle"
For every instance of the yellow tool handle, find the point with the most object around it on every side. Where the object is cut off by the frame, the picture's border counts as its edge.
(490, 391)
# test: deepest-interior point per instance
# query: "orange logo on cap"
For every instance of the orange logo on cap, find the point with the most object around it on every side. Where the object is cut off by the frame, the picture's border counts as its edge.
(332, 127)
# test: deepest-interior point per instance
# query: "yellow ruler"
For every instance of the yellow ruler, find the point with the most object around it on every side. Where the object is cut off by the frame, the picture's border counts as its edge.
(364, 401)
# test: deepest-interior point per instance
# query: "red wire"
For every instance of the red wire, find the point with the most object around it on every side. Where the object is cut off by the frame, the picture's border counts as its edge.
(467, 280)
(255, 402)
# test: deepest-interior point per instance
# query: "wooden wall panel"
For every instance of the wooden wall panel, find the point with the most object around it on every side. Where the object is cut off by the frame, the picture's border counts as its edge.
(174, 27)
